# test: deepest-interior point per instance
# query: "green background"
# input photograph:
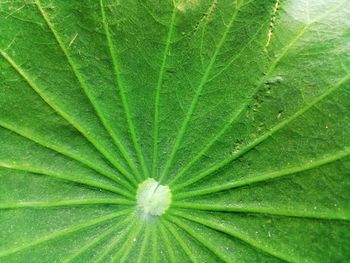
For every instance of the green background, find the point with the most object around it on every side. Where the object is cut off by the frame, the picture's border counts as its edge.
(241, 107)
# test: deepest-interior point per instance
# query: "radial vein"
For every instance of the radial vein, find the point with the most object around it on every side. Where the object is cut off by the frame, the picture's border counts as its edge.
(237, 235)
(207, 244)
(122, 254)
(226, 126)
(179, 240)
(158, 89)
(195, 99)
(154, 243)
(57, 109)
(96, 240)
(32, 170)
(86, 89)
(61, 150)
(41, 204)
(265, 136)
(114, 241)
(63, 232)
(167, 244)
(144, 244)
(121, 86)
(261, 210)
(236, 114)
(267, 176)
(238, 55)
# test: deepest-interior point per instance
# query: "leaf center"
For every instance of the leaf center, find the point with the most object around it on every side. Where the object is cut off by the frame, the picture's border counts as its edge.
(152, 198)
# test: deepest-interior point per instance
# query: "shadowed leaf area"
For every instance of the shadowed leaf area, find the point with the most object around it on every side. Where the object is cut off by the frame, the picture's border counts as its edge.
(174, 131)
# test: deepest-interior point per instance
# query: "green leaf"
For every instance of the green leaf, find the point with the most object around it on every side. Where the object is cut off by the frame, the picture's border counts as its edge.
(238, 110)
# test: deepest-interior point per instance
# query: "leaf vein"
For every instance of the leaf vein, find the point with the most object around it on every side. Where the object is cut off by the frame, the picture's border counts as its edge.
(93, 103)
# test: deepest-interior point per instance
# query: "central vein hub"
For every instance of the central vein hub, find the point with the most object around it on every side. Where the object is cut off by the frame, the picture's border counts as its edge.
(152, 198)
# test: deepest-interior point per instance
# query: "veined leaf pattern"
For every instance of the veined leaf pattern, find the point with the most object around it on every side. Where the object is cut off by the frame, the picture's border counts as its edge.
(241, 107)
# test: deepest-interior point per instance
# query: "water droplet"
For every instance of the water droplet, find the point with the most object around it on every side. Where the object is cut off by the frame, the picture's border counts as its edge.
(153, 199)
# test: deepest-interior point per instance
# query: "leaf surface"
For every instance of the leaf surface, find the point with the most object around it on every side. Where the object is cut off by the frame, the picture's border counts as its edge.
(241, 107)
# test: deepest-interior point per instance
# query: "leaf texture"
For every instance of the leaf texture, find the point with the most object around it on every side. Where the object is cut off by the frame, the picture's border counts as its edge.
(241, 107)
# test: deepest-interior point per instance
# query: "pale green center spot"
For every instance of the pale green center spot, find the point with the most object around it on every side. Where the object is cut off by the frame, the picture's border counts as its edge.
(152, 198)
